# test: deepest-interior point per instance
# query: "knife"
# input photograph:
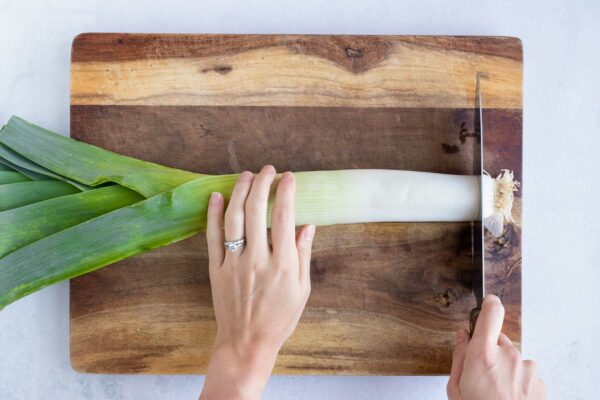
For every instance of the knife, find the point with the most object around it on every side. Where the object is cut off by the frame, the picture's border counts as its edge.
(477, 240)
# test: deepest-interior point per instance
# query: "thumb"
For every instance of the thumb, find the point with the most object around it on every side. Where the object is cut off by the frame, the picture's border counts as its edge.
(304, 242)
(458, 360)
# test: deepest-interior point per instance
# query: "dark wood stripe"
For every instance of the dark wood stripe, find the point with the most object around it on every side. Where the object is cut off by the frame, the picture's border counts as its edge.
(355, 53)
(301, 138)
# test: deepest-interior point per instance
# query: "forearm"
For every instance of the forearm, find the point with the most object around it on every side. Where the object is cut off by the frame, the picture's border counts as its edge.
(238, 374)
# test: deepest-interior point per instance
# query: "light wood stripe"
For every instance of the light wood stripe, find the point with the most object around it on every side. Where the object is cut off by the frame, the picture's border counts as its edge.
(410, 76)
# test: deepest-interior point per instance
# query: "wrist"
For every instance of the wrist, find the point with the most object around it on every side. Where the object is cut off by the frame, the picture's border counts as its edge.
(239, 370)
(247, 349)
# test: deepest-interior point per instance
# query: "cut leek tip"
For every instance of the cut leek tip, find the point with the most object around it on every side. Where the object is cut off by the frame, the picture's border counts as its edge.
(505, 187)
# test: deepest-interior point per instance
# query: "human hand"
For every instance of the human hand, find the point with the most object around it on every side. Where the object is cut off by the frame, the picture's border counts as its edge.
(260, 290)
(488, 366)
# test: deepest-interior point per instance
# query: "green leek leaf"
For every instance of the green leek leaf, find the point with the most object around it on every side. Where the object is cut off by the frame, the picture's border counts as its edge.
(20, 194)
(145, 225)
(7, 177)
(31, 169)
(36, 221)
(89, 164)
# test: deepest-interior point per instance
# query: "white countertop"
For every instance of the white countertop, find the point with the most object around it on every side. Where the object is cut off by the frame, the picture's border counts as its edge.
(561, 245)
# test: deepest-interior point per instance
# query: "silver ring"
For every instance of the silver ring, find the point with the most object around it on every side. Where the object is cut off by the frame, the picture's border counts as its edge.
(233, 245)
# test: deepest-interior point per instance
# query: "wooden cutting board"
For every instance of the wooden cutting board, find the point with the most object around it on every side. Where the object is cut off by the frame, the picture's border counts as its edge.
(387, 298)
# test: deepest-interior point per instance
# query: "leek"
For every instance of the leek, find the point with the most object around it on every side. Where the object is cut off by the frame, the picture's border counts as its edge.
(89, 164)
(34, 222)
(7, 177)
(30, 169)
(147, 205)
(20, 194)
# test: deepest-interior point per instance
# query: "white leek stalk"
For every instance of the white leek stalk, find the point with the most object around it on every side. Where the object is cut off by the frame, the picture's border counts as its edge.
(354, 196)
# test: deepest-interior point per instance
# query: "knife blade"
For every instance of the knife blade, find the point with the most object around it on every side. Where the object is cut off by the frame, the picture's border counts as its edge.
(477, 238)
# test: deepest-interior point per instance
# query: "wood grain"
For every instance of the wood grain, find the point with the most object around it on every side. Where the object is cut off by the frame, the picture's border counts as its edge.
(296, 138)
(297, 71)
(354, 52)
(387, 298)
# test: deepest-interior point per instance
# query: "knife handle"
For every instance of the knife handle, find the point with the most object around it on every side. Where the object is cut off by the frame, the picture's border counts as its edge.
(473, 319)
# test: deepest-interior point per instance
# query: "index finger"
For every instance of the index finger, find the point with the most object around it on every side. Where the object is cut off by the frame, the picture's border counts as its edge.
(489, 322)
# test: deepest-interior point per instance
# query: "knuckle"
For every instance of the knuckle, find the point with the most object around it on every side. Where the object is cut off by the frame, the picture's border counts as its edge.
(263, 179)
(252, 208)
(244, 265)
(254, 266)
(261, 259)
(281, 266)
(210, 236)
(213, 236)
(251, 257)
(487, 357)
(233, 218)
(247, 280)
(514, 356)
(230, 213)
(282, 213)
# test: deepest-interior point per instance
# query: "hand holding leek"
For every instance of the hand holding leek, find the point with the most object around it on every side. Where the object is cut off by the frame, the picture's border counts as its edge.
(259, 291)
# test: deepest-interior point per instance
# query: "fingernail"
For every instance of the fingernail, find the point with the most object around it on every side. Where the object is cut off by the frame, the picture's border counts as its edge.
(287, 176)
(245, 176)
(215, 198)
(269, 168)
(493, 301)
(309, 233)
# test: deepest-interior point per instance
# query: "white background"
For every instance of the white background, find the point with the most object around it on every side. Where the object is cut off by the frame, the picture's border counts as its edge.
(561, 173)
